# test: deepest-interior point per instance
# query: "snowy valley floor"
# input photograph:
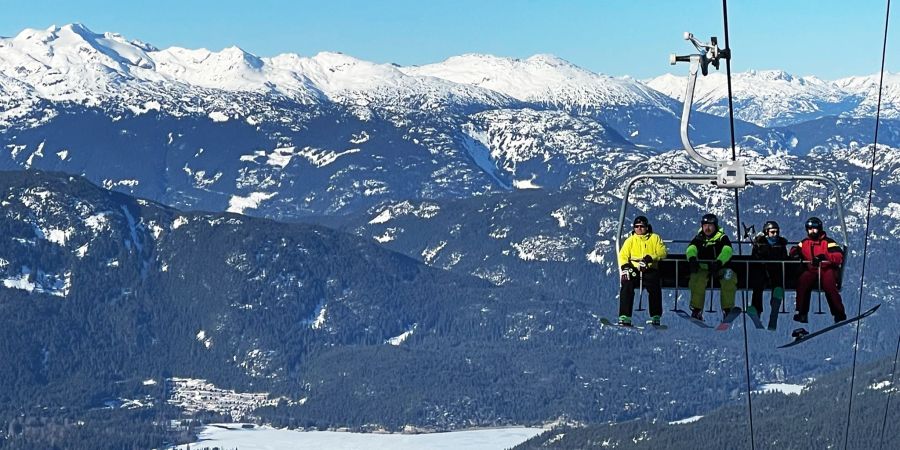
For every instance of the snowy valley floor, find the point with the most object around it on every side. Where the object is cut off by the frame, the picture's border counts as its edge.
(265, 438)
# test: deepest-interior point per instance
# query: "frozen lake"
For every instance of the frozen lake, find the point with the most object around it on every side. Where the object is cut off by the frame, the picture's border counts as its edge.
(264, 438)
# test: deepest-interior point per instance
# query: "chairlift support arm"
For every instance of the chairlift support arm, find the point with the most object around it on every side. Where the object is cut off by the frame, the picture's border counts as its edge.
(730, 173)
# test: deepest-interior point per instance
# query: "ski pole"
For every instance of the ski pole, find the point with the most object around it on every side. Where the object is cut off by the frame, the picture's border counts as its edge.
(712, 287)
(677, 286)
(819, 273)
(783, 284)
(640, 291)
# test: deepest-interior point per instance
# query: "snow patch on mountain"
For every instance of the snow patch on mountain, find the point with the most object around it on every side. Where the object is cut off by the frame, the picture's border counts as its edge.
(429, 254)
(547, 248)
(399, 339)
(526, 184)
(39, 281)
(218, 116)
(389, 235)
(319, 321)
(321, 157)
(790, 389)
(238, 204)
(686, 420)
(424, 210)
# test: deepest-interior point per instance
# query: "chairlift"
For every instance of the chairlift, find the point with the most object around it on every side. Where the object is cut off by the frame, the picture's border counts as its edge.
(724, 175)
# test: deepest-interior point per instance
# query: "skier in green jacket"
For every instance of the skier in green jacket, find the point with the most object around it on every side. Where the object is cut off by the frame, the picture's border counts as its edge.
(713, 248)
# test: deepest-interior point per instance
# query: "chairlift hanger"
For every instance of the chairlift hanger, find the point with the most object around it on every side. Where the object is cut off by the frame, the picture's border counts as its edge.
(727, 174)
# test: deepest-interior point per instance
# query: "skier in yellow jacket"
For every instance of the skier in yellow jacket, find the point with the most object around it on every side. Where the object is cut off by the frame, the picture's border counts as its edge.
(639, 266)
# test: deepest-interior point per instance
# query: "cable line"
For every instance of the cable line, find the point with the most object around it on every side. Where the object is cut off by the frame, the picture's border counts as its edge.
(737, 210)
(862, 275)
(887, 404)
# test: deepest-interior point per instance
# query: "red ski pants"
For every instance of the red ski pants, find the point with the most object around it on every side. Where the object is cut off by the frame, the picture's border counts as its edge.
(809, 280)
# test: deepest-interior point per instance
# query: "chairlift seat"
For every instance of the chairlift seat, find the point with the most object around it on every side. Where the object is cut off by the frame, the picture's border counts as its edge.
(675, 268)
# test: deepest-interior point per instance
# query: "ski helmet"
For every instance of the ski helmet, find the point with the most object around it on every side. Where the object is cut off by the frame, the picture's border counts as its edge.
(710, 218)
(770, 225)
(642, 220)
(814, 223)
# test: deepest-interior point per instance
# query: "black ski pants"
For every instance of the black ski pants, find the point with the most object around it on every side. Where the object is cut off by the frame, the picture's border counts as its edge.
(650, 280)
(761, 277)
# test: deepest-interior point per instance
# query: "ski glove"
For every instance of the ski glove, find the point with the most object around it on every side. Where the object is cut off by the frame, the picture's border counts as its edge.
(819, 259)
(715, 267)
(693, 265)
(625, 273)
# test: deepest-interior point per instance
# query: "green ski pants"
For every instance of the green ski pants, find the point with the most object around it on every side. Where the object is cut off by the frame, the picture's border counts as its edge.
(727, 282)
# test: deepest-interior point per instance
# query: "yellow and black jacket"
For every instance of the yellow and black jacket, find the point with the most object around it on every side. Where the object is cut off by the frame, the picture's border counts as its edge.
(637, 246)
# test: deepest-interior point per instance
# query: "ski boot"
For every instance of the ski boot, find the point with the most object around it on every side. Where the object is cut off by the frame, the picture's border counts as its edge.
(655, 320)
(840, 318)
(697, 313)
(802, 318)
(799, 333)
(624, 321)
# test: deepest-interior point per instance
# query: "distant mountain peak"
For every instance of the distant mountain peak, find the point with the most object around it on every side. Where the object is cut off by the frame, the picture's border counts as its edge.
(541, 78)
(774, 75)
(549, 59)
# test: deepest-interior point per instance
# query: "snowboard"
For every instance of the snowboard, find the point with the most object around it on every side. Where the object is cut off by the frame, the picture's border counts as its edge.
(807, 336)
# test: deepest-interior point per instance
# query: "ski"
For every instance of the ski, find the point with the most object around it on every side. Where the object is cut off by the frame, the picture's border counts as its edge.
(725, 325)
(773, 313)
(658, 327)
(754, 316)
(606, 322)
(803, 335)
(686, 316)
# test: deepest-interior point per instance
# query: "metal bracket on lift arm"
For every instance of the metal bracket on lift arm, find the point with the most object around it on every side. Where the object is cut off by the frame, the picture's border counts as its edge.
(730, 174)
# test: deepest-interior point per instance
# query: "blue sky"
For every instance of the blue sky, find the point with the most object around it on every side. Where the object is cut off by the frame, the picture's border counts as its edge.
(832, 39)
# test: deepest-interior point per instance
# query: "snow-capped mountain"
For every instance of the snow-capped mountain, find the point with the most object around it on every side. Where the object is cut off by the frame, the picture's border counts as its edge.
(511, 181)
(545, 79)
(74, 64)
(776, 98)
(866, 88)
(292, 136)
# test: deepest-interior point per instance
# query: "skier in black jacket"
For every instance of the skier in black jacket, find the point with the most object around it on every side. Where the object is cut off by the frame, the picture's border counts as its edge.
(771, 246)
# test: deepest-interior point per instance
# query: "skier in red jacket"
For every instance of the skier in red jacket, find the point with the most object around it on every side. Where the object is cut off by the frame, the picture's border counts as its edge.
(823, 257)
